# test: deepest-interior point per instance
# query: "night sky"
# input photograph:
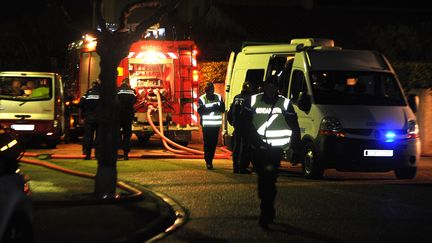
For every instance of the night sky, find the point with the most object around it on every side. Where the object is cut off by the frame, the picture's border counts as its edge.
(350, 25)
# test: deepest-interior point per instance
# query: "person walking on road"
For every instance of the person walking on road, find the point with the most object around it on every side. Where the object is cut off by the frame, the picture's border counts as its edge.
(241, 152)
(271, 125)
(90, 106)
(127, 99)
(210, 107)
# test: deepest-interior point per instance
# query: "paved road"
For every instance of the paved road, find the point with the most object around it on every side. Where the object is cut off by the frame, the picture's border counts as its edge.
(343, 207)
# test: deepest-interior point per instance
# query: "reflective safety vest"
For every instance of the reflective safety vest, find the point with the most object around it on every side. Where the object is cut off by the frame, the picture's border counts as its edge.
(269, 120)
(214, 118)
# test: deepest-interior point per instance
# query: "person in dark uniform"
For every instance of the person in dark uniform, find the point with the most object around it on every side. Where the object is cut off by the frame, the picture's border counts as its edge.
(210, 107)
(271, 125)
(90, 106)
(241, 151)
(127, 99)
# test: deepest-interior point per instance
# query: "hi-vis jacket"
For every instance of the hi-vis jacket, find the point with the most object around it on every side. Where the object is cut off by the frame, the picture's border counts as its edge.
(211, 110)
(274, 121)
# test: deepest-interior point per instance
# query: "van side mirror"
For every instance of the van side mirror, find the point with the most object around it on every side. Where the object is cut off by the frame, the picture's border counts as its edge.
(303, 102)
(413, 102)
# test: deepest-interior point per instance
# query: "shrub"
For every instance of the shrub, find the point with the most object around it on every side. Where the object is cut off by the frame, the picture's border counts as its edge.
(212, 72)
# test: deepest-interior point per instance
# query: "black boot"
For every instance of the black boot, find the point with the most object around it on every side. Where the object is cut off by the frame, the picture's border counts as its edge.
(266, 218)
(209, 165)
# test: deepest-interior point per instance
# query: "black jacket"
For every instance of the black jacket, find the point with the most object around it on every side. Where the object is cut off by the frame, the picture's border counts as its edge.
(127, 99)
(90, 102)
(236, 107)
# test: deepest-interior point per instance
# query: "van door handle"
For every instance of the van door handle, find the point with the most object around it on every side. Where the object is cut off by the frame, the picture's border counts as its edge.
(47, 109)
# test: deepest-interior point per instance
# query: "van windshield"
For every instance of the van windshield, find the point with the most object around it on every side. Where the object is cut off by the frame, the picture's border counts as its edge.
(356, 88)
(26, 88)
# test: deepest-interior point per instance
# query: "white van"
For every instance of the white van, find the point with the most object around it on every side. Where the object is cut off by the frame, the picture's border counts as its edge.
(352, 111)
(32, 103)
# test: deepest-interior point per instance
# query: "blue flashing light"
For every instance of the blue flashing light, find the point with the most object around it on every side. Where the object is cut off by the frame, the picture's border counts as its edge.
(390, 136)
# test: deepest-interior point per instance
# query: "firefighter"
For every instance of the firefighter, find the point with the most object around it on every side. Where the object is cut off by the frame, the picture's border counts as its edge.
(210, 107)
(270, 124)
(127, 99)
(89, 105)
(241, 152)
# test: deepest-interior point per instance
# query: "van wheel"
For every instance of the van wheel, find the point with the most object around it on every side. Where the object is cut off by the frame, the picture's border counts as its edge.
(312, 168)
(406, 173)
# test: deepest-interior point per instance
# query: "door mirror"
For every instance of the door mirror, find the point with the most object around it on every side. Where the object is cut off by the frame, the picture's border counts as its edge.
(413, 102)
(303, 102)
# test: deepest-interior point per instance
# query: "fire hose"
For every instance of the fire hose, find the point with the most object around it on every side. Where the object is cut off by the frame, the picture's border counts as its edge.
(187, 152)
(180, 152)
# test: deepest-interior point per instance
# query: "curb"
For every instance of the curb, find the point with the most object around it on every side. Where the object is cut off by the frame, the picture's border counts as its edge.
(136, 195)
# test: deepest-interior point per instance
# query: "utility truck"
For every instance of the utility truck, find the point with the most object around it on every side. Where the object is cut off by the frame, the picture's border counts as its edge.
(352, 111)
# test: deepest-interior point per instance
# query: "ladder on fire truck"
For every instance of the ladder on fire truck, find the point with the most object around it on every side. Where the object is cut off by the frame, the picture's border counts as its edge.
(186, 81)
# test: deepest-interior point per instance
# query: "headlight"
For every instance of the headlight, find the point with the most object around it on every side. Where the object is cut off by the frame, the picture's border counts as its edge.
(413, 131)
(331, 126)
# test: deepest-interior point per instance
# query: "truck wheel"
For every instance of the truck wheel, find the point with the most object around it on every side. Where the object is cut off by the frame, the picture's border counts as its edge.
(73, 136)
(51, 143)
(406, 173)
(311, 166)
(143, 139)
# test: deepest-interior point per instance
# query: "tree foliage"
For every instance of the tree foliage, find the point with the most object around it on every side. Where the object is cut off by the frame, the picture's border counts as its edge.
(414, 75)
(214, 72)
(407, 46)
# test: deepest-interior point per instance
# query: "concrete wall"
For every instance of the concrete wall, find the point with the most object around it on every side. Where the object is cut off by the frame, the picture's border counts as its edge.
(424, 117)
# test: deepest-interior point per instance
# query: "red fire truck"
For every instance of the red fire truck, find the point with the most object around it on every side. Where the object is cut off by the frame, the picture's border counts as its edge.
(168, 66)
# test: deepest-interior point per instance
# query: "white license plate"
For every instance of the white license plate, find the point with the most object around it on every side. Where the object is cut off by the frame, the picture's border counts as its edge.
(377, 153)
(23, 127)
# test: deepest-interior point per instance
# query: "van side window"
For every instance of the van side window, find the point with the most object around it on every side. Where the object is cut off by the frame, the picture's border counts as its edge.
(255, 78)
(298, 84)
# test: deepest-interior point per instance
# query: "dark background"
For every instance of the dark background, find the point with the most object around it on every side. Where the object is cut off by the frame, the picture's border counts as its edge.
(35, 34)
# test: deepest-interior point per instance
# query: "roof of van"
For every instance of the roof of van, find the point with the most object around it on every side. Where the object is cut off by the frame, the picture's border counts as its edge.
(276, 48)
(353, 60)
(26, 73)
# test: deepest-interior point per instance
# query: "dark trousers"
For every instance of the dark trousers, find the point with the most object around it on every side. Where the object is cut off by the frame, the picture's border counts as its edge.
(210, 138)
(266, 163)
(90, 134)
(125, 133)
(241, 155)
